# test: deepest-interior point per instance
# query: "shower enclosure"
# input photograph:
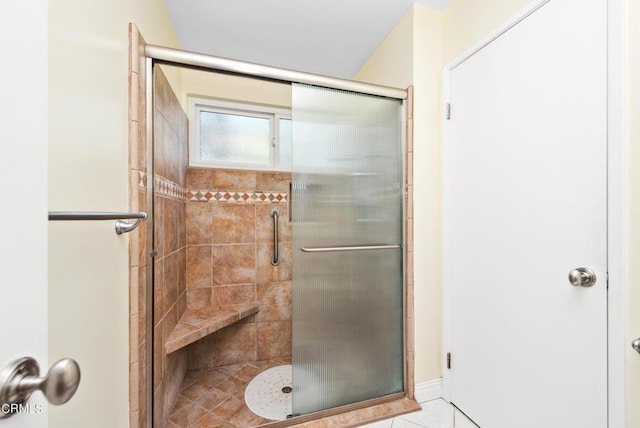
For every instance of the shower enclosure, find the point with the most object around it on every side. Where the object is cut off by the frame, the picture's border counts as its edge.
(346, 257)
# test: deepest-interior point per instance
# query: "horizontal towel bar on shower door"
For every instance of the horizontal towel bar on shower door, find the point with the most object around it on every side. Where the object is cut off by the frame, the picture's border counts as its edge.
(121, 226)
(354, 248)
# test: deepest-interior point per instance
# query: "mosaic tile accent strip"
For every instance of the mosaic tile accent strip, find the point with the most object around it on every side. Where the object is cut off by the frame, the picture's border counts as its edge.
(169, 189)
(142, 179)
(232, 196)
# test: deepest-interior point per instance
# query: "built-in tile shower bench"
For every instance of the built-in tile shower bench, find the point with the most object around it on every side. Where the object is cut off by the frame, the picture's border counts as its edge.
(198, 323)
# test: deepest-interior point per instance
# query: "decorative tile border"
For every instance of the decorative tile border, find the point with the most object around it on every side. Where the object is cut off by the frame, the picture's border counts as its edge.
(231, 196)
(142, 179)
(169, 189)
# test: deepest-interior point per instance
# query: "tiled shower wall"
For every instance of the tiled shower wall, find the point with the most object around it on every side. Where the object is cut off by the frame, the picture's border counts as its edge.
(138, 362)
(229, 251)
(170, 167)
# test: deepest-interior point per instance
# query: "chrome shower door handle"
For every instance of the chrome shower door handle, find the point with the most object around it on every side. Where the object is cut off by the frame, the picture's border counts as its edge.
(275, 261)
(21, 378)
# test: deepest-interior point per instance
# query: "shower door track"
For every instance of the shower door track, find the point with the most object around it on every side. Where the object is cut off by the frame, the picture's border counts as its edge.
(193, 59)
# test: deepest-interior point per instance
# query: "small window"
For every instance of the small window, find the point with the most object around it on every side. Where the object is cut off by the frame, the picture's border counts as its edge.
(241, 136)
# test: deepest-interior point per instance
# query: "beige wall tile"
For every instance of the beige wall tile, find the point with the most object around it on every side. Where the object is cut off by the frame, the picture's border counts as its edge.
(142, 144)
(158, 291)
(170, 225)
(171, 281)
(234, 294)
(158, 215)
(200, 178)
(274, 339)
(134, 288)
(200, 354)
(275, 299)
(235, 344)
(158, 355)
(159, 153)
(199, 223)
(182, 224)
(199, 268)
(234, 223)
(273, 181)
(269, 273)
(199, 298)
(234, 264)
(234, 180)
(141, 231)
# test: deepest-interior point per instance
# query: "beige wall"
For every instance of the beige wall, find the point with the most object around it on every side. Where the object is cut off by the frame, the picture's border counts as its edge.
(466, 22)
(88, 170)
(633, 212)
(427, 80)
(392, 62)
(216, 85)
(411, 55)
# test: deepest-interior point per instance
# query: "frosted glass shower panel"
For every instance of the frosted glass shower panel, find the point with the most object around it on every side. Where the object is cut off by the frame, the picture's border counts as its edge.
(347, 302)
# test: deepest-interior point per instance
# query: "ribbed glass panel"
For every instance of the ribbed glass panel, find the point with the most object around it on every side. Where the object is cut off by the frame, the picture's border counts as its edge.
(347, 191)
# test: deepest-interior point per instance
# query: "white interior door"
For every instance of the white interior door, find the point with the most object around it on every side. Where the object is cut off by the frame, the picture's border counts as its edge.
(23, 212)
(525, 204)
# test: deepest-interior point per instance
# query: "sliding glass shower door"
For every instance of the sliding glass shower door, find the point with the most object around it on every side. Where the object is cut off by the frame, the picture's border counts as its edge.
(347, 248)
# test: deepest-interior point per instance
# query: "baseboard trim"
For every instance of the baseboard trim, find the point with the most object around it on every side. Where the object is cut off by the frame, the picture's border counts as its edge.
(429, 390)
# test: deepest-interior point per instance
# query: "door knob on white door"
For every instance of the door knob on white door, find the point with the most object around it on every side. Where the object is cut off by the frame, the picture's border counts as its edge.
(636, 344)
(582, 277)
(21, 378)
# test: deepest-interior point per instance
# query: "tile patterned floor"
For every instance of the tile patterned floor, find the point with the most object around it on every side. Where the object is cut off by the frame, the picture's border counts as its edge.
(215, 399)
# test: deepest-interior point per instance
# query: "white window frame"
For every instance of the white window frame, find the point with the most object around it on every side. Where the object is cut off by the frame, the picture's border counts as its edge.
(196, 105)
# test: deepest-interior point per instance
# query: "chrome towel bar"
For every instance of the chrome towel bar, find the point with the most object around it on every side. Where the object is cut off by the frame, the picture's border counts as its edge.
(354, 248)
(121, 226)
(275, 261)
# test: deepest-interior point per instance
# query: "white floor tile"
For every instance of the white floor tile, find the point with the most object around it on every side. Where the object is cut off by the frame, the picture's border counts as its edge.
(401, 423)
(380, 424)
(462, 421)
(434, 414)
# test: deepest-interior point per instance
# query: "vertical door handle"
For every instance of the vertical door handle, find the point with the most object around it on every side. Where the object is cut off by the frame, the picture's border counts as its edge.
(21, 378)
(275, 261)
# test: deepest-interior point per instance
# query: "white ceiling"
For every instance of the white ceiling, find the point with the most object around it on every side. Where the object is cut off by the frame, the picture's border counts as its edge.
(328, 37)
